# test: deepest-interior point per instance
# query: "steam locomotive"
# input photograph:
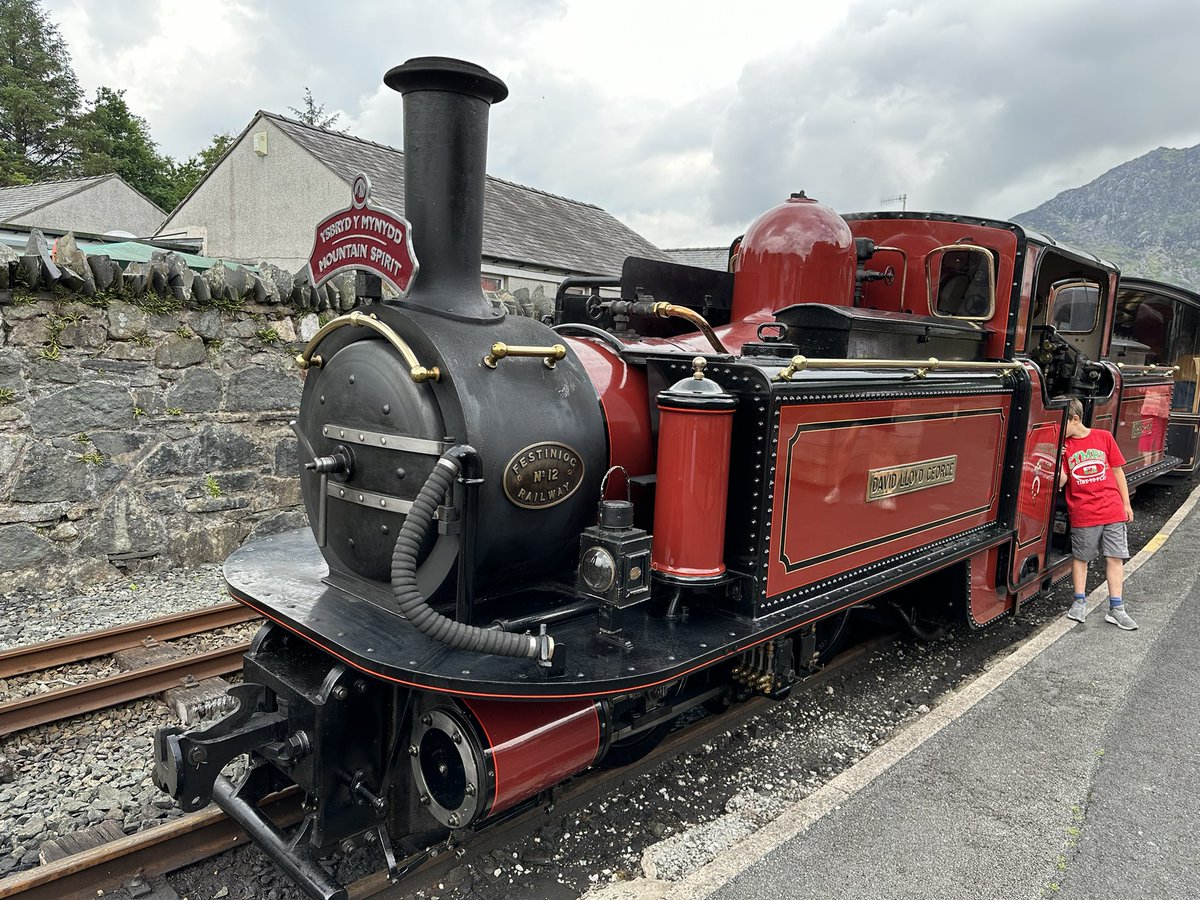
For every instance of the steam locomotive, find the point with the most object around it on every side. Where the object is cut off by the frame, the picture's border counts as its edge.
(533, 546)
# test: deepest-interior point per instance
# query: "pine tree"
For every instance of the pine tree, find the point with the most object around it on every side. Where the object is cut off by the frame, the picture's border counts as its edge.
(39, 95)
(313, 112)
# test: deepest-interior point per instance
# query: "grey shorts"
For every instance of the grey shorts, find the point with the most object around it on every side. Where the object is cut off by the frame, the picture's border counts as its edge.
(1099, 540)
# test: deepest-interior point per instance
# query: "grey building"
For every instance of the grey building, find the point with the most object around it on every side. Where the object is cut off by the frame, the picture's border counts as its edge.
(262, 201)
(100, 205)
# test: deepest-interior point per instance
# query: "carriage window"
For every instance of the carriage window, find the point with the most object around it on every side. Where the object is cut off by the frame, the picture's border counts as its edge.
(1075, 306)
(965, 280)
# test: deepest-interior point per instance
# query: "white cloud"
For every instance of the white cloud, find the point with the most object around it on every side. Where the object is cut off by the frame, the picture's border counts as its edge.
(687, 119)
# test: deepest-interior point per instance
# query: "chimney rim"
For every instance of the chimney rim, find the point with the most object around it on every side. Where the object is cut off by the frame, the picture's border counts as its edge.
(444, 73)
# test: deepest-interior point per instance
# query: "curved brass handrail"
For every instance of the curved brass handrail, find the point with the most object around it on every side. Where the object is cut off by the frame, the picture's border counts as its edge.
(418, 372)
(921, 367)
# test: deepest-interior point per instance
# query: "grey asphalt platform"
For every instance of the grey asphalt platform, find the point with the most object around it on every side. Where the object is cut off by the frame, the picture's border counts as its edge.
(1070, 770)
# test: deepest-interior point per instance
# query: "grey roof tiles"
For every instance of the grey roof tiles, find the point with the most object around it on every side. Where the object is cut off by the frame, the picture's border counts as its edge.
(520, 224)
(17, 200)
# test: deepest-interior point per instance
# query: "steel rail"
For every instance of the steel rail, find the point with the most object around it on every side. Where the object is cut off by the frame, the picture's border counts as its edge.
(39, 709)
(154, 851)
(76, 647)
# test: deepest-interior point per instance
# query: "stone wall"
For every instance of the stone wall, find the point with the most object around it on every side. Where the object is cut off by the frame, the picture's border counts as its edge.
(140, 430)
(144, 408)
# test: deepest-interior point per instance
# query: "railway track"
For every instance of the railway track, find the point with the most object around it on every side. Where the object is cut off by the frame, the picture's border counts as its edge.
(40, 709)
(200, 836)
(154, 851)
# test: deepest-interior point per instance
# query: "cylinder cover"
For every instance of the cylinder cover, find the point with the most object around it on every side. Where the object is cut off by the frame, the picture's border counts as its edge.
(473, 762)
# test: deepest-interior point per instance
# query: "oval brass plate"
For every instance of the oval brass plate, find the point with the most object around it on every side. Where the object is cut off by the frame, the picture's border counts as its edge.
(543, 474)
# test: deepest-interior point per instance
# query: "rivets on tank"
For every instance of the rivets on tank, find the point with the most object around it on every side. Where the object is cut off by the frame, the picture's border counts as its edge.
(383, 441)
(399, 473)
(341, 492)
(385, 529)
(322, 398)
(342, 432)
(351, 542)
(387, 408)
(352, 379)
(426, 720)
(325, 430)
(383, 501)
(361, 498)
(361, 437)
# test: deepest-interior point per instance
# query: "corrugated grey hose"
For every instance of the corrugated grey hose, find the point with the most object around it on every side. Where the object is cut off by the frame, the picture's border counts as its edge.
(418, 611)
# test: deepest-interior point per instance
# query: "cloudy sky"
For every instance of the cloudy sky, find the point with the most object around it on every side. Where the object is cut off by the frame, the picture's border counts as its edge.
(687, 118)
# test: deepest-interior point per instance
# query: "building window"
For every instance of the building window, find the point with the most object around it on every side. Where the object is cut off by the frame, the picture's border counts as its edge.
(491, 283)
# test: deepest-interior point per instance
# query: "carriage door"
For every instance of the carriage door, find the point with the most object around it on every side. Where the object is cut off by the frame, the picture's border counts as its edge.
(1039, 470)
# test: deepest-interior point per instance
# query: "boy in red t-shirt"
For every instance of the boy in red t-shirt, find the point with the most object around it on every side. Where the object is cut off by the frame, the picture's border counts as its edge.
(1098, 505)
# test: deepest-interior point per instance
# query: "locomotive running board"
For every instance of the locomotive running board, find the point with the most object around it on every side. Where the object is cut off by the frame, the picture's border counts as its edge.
(889, 574)
(283, 577)
(1150, 472)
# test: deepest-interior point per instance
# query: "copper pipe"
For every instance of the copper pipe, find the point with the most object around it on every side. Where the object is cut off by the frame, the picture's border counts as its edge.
(669, 310)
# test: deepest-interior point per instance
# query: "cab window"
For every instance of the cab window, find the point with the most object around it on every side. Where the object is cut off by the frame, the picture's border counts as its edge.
(962, 282)
(1075, 307)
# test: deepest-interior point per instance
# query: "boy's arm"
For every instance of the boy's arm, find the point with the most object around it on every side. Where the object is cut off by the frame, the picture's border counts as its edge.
(1062, 474)
(1123, 490)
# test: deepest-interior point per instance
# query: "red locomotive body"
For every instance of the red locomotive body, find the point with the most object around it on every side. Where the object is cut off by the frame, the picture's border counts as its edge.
(864, 413)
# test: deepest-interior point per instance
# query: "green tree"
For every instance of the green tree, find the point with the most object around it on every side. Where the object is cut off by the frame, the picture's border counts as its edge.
(313, 112)
(186, 175)
(110, 138)
(39, 95)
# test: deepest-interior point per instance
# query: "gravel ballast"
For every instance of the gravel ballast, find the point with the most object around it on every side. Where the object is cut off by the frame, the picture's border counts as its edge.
(73, 774)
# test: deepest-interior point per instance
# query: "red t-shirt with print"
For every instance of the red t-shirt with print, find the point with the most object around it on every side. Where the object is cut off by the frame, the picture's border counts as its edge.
(1092, 494)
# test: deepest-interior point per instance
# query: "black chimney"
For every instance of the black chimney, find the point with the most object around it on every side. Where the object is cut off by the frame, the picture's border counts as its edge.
(446, 106)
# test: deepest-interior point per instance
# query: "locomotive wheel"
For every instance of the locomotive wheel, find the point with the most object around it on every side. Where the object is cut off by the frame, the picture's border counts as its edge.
(630, 750)
(832, 633)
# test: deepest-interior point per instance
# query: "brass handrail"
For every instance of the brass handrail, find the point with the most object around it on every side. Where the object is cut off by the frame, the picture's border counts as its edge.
(418, 372)
(921, 367)
(1146, 370)
(500, 350)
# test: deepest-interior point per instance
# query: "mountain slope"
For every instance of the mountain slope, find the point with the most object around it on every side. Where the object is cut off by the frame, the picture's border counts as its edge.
(1144, 215)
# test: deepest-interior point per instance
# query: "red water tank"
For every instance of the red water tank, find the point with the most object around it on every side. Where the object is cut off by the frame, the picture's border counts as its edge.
(695, 426)
(798, 252)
